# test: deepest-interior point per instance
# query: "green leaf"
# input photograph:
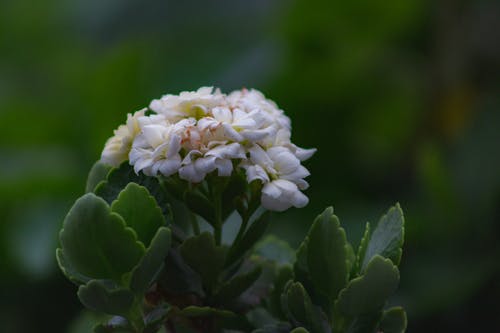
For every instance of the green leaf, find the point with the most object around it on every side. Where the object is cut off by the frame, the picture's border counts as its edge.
(362, 248)
(393, 320)
(369, 292)
(199, 204)
(221, 319)
(275, 328)
(204, 257)
(236, 286)
(118, 178)
(300, 310)
(205, 311)
(299, 330)
(350, 257)
(235, 187)
(387, 238)
(296, 304)
(109, 299)
(259, 290)
(68, 270)
(97, 173)
(285, 274)
(327, 255)
(140, 211)
(275, 249)
(96, 241)
(300, 268)
(152, 263)
(366, 323)
(251, 236)
(179, 278)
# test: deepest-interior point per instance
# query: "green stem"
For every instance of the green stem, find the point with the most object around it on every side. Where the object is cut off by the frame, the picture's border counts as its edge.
(243, 227)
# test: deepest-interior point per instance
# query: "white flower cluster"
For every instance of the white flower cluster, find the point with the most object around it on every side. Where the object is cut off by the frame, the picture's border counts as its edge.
(196, 133)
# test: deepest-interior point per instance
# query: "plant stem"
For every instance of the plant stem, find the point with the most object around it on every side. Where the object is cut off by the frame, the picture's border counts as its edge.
(243, 227)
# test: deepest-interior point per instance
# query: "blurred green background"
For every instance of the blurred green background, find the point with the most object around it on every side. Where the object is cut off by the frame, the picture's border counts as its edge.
(401, 98)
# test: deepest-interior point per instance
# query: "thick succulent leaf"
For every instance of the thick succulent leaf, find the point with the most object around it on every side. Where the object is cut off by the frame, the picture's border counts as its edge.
(179, 278)
(251, 236)
(393, 320)
(152, 262)
(200, 204)
(259, 290)
(299, 330)
(140, 211)
(327, 255)
(285, 274)
(204, 257)
(98, 296)
(366, 323)
(350, 257)
(362, 249)
(236, 286)
(275, 249)
(275, 328)
(118, 178)
(387, 238)
(300, 268)
(369, 292)
(98, 173)
(235, 187)
(96, 242)
(68, 270)
(300, 310)
(222, 319)
(205, 311)
(296, 303)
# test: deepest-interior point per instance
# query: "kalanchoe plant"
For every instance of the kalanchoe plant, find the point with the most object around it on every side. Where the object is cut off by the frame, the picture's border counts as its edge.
(144, 244)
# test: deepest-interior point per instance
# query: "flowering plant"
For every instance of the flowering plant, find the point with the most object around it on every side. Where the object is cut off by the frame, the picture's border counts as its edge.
(145, 243)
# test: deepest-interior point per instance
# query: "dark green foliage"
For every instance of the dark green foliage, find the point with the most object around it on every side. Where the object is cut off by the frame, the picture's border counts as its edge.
(116, 246)
(204, 257)
(393, 320)
(140, 210)
(98, 173)
(327, 265)
(97, 242)
(250, 237)
(387, 238)
(151, 264)
(327, 260)
(107, 298)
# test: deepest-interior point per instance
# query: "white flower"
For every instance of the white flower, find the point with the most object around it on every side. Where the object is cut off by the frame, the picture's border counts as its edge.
(238, 125)
(282, 175)
(281, 194)
(117, 148)
(282, 138)
(249, 100)
(197, 165)
(204, 131)
(187, 104)
(156, 149)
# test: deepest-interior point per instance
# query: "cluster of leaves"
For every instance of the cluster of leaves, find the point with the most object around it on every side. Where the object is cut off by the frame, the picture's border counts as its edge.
(332, 288)
(125, 246)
